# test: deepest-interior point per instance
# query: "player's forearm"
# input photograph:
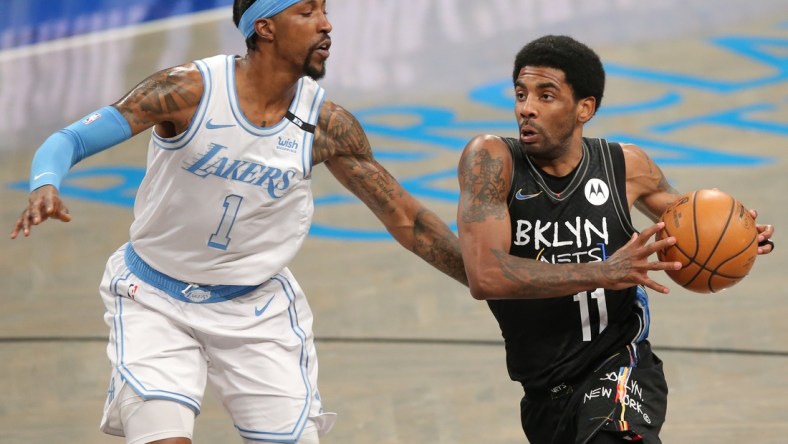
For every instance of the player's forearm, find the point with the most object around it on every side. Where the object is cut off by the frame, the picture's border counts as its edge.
(520, 278)
(431, 239)
(92, 134)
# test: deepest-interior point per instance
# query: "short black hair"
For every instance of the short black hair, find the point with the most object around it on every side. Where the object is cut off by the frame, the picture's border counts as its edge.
(581, 65)
(239, 7)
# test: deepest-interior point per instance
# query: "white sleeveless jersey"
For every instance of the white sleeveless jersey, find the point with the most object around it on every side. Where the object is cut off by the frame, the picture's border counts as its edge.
(227, 202)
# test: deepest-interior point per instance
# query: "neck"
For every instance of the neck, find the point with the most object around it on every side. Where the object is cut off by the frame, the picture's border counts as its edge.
(565, 160)
(265, 88)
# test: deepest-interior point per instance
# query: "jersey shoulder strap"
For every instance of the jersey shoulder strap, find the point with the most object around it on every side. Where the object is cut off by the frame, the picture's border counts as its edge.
(616, 171)
(519, 164)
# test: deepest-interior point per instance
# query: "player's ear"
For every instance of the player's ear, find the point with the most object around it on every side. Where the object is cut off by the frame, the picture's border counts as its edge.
(586, 108)
(264, 28)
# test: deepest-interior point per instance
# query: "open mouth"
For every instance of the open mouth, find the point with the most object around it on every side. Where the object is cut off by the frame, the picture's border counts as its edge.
(528, 134)
(323, 48)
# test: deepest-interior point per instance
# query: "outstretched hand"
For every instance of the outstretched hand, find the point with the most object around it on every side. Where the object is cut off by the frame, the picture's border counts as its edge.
(630, 265)
(44, 203)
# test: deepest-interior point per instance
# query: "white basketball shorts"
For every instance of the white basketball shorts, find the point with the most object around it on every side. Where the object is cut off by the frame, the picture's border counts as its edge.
(257, 350)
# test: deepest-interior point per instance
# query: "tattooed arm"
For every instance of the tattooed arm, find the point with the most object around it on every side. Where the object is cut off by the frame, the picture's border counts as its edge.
(649, 191)
(485, 175)
(167, 99)
(341, 143)
(647, 188)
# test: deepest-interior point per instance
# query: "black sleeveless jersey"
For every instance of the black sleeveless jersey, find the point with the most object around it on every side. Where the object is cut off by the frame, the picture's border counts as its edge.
(553, 341)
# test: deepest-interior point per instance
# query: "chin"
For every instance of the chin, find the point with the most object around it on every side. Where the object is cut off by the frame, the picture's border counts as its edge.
(316, 72)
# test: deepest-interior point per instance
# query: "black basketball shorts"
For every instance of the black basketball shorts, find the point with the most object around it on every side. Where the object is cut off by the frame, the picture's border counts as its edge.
(625, 398)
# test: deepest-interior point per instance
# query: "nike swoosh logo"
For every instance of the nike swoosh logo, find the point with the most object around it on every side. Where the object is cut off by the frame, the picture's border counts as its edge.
(38, 176)
(210, 125)
(520, 196)
(259, 311)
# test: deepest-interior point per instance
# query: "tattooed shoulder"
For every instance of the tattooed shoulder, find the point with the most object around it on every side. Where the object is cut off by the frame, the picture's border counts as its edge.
(484, 180)
(338, 133)
(170, 95)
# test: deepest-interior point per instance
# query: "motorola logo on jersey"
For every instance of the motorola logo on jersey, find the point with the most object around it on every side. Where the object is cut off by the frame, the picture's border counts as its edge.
(212, 164)
(597, 192)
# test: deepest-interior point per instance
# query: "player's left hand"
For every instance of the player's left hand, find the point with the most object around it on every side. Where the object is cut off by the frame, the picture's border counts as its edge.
(44, 203)
(765, 233)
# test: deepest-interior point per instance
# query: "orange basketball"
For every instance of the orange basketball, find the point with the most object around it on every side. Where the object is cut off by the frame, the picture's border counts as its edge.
(716, 241)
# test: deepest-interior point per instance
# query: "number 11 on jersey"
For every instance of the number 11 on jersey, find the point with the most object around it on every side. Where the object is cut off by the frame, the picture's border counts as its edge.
(585, 315)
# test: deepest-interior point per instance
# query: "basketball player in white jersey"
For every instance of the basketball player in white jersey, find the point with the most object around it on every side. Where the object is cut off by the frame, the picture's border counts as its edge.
(202, 291)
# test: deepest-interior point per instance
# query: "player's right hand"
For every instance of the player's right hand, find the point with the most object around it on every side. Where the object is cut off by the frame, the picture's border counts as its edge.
(44, 203)
(630, 264)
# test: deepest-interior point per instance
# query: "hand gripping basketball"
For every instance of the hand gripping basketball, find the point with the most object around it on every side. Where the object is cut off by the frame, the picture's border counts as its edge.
(716, 240)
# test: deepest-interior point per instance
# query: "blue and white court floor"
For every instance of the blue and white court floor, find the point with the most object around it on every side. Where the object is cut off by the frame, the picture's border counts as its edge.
(406, 355)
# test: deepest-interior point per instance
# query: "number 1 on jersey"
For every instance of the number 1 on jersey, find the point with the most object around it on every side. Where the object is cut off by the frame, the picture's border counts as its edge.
(585, 315)
(221, 237)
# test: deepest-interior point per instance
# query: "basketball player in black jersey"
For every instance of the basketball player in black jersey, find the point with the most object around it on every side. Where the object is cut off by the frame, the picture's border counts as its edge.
(547, 240)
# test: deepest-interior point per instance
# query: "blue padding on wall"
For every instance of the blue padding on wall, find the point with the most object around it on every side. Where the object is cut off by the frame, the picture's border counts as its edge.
(27, 22)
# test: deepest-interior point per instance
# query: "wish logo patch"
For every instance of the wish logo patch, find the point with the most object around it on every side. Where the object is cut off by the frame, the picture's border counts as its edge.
(287, 144)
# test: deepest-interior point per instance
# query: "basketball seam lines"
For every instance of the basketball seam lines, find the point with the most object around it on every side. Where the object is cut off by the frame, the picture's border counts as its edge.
(716, 245)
